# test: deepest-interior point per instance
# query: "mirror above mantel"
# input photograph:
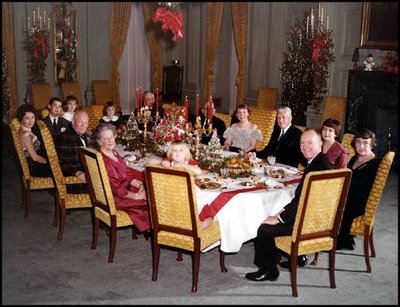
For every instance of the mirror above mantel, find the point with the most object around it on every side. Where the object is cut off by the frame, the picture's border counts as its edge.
(65, 39)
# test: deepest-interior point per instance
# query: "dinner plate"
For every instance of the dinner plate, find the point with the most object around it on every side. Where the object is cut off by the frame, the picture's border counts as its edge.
(210, 185)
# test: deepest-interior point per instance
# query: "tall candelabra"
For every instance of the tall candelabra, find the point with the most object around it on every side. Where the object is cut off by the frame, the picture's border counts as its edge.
(144, 117)
(198, 131)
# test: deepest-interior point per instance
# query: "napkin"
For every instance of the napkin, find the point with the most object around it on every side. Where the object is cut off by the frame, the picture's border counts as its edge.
(273, 183)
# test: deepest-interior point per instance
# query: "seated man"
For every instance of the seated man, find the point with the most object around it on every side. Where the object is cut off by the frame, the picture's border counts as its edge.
(281, 224)
(148, 101)
(54, 121)
(285, 140)
(67, 147)
(217, 123)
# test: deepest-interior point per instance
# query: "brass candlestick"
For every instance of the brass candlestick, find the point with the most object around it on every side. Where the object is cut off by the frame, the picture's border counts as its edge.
(144, 117)
(198, 131)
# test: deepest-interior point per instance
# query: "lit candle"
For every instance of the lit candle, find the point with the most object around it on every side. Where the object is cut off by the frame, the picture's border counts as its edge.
(308, 21)
(327, 22)
(29, 23)
(157, 93)
(38, 14)
(312, 21)
(34, 19)
(322, 16)
(48, 23)
(44, 16)
(197, 104)
(40, 22)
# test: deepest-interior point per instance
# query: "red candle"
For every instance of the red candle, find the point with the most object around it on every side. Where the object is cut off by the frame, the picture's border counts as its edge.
(197, 105)
(157, 93)
(209, 108)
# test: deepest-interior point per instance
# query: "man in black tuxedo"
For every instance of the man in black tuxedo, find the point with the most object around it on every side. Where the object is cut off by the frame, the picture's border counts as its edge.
(67, 146)
(217, 123)
(148, 101)
(281, 224)
(285, 147)
(56, 123)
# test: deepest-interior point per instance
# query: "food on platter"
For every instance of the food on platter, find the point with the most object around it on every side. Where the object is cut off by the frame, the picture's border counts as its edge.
(246, 183)
(210, 185)
(277, 173)
(238, 163)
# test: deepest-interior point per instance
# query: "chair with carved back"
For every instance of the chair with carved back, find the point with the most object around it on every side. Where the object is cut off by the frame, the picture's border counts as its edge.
(175, 219)
(335, 107)
(101, 91)
(265, 120)
(267, 98)
(65, 200)
(29, 183)
(71, 88)
(103, 199)
(318, 218)
(346, 142)
(41, 95)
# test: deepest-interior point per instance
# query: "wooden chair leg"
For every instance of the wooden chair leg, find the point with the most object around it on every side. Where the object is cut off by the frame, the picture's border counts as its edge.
(315, 260)
(27, 202)
(57, 212)
(371, 241)
(293, 273)
(332, 254)
(96, 227)
(113, 241)
(222, 261)
(156, 260)
(366, 253)
(62, 220)
(134, 235)
(195, 269)
(179, 257)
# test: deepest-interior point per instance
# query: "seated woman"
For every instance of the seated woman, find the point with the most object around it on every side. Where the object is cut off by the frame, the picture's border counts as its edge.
(70, 105)
(242, 136)
(33, 149)
(364, 166)
(178, 155)
(129, 193)
(337, 155)
(110, 115)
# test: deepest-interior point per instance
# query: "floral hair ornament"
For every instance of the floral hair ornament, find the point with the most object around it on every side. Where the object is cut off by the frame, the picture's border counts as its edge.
(171, 18)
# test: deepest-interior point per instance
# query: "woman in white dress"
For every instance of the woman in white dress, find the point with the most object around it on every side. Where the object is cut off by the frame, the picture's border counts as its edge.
(242, 137)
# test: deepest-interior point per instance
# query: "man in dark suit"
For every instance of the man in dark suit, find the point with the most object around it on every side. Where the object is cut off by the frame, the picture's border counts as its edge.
(217, 123)
(148, 101)
(282, 223)
(285, 140)
(67, 146)
(56, 123)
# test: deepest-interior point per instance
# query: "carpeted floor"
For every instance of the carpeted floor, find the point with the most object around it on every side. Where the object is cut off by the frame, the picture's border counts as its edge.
(38, 269)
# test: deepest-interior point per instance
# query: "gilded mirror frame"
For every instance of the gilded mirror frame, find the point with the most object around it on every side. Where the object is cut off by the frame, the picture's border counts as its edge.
(65, 42)
(379, 25)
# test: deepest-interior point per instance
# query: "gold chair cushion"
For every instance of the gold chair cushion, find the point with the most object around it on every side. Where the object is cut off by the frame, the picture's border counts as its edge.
(305, 247)
(335, 107)
(265, 120)
(122, 217)
(267, 98)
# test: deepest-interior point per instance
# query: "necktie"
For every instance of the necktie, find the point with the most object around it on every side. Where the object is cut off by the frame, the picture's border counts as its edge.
(55, 124)
(282, 132)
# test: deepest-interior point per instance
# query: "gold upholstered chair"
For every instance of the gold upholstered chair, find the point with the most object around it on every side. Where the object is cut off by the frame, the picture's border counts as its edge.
(346, 142)
(267, 98)
(101, 91)
(65, 200)
(335, 107)
(29, 183)
(265, 120)
(72, 88)
(225, 117)
(41, 95)
(103, 199)
(95, 112)
(364, 225)
(175, 219)
(318, 217)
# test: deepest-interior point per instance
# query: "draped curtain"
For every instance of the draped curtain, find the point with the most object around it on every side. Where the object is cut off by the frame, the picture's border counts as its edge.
(154, 45)
(239, 24)
(213, 27)
(120, 14)
(7, 42)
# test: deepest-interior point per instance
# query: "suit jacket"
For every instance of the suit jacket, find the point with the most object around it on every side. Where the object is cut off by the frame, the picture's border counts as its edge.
(287, 149)
(319, 163)
(62, 125)
(216, 123)
(67, 146)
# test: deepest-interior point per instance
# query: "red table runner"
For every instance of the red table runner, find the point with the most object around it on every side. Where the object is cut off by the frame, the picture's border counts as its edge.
(212, 209)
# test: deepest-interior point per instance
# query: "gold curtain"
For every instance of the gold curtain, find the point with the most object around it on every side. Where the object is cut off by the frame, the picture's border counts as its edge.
(7, 41)
(154, 45)
(239, 24)
(213, 27)
(120, 14)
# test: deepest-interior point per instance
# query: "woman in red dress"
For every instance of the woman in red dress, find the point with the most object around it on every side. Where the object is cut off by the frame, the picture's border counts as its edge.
(129, 193)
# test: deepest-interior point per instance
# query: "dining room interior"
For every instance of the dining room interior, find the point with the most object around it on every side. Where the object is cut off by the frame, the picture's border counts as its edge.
(314, 57)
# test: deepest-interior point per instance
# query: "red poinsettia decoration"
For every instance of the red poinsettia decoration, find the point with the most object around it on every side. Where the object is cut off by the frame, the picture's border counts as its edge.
(170, 20)
(317, 45)
(390, 62)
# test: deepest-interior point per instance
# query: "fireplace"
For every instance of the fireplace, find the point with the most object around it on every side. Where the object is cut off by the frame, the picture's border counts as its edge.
(372, 103)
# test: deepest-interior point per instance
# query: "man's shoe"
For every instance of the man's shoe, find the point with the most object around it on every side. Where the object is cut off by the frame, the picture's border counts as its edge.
(263, 275)
(301, 262)
(348, 246)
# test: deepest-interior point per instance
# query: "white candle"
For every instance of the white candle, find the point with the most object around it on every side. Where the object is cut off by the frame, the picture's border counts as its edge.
(38, 14)
(29, 23)
(34, 19)
(308, 21)
(312, 21)
(40, 22)
(322, 16)
(48, 23)
(327, 22)
(319, 11)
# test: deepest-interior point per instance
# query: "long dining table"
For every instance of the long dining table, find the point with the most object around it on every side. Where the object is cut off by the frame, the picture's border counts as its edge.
(240, 204)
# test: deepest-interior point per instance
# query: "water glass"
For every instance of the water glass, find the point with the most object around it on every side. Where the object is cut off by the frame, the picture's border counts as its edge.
(224, 172)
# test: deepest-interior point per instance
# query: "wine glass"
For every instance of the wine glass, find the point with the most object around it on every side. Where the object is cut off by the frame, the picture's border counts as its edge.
(271, 160)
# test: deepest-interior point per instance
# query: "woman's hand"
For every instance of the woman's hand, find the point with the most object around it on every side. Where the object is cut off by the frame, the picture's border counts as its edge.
(81, 176)
(166, 163)
(136, 183)
(141, 194)
(271, 220)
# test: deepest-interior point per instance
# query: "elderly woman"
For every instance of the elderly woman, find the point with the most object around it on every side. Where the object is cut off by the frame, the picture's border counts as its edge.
(33, 150)
(337, 155)
(242, 136)
(129, 193)
(364, 166)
